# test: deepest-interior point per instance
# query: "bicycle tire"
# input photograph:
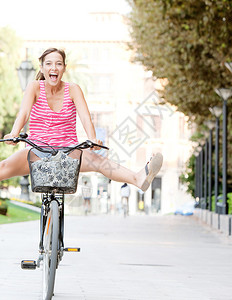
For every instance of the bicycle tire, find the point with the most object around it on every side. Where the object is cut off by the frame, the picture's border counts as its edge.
(50, 242)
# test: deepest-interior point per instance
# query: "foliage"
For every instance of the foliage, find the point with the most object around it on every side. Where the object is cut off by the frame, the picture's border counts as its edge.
(188, 43)
(188, 177)
(229, 201)
(36, 204)
(10, 91)
(3, 207)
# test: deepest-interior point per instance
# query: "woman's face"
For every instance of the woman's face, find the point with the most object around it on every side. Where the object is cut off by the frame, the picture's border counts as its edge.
(53, 68)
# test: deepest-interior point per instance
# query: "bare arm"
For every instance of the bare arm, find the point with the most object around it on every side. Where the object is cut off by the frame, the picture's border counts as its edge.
(83, 112)
(29, 99)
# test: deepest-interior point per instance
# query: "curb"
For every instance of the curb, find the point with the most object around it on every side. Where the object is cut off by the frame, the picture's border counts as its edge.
(222, 223)
(28, 206)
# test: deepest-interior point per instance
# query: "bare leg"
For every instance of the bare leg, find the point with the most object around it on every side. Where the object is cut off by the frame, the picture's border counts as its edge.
(15, 165)
(97, 163)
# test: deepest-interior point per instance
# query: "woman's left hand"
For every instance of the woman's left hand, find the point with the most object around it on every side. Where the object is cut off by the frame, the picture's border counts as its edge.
(99, 142)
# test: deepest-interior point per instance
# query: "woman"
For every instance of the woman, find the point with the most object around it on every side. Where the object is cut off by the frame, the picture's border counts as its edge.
(51, 104)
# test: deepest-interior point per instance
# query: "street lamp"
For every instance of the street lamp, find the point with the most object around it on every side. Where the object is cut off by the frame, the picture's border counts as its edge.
(201, 168)
(196, 153)
(225, 94)
(210, 125)
(216, 111)
(26, 73)
(206, 134)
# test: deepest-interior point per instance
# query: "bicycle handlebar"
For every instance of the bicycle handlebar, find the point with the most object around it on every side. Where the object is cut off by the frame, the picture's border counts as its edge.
(23, 138)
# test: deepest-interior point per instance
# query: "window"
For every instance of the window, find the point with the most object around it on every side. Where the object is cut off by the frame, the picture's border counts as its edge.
(102, 119)
(150, 124)
(101, 84)
(104, 84)
(182, 130)
(156, 194)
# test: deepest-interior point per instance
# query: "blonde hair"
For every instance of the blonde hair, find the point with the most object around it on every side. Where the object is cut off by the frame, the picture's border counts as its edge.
(40, 75)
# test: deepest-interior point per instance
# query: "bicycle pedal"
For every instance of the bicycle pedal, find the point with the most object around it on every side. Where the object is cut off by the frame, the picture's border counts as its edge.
(28, 264)
(69, 249)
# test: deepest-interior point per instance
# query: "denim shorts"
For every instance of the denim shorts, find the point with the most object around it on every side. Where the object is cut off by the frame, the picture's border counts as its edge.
(41, 154)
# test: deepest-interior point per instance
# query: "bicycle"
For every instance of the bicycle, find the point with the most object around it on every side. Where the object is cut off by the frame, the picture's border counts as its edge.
(63, 164)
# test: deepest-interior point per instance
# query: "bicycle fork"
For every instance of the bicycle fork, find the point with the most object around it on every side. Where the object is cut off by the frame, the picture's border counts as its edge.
(32, 264)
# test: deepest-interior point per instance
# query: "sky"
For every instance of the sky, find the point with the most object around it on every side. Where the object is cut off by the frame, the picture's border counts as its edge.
(52, 18)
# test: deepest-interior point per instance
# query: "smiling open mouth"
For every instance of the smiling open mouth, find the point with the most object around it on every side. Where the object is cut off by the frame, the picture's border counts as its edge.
(53, 77)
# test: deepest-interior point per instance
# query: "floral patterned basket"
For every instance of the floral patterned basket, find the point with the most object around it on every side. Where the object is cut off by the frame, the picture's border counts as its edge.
(55, 173)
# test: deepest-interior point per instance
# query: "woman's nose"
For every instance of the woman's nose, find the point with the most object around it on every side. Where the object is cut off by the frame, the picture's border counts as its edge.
(54, 67)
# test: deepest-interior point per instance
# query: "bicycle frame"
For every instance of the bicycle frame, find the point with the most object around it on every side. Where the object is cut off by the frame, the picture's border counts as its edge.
(51, 245)
(46, 202)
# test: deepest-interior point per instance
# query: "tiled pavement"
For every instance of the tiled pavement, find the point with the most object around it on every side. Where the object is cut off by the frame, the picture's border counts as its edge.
(136, 258)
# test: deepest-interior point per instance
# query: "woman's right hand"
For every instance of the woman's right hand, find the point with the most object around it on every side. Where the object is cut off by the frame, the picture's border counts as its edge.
(10, 136)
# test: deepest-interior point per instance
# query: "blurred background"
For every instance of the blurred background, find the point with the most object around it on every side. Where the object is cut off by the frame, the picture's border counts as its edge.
(148, 72)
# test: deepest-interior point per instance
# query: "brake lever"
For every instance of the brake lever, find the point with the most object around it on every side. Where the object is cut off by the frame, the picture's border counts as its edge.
(92, 144)
(89, 143)
(23, 135)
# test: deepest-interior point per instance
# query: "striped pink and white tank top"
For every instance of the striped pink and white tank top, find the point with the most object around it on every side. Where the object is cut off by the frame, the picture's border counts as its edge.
(53, 128)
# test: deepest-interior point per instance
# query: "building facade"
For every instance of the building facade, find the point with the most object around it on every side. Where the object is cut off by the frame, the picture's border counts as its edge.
(127, 112)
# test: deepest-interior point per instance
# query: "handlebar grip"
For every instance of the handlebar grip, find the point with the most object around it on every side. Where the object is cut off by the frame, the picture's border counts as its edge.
(104, 147)
(15, 140)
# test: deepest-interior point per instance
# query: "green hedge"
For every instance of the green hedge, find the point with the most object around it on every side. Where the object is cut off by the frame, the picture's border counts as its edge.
(229, 202)
(3, 206)
(37, 203)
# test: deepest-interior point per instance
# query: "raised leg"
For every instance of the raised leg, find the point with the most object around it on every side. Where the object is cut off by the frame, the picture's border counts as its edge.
(92, 161)
(14, 165)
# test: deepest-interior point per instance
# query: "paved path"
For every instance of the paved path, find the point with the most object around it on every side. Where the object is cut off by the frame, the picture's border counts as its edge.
(137, 258)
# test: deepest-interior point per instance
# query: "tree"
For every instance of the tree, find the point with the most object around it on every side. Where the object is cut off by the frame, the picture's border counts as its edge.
(10, 91)
(188, 43)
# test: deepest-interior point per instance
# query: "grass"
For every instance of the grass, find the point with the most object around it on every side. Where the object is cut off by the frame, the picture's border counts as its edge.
(16, 213)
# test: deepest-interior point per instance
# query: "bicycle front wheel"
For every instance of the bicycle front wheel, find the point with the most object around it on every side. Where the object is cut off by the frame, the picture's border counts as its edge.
(50, 243)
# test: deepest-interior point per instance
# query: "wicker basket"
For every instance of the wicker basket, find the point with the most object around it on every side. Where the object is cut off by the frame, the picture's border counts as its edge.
(55, 173)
